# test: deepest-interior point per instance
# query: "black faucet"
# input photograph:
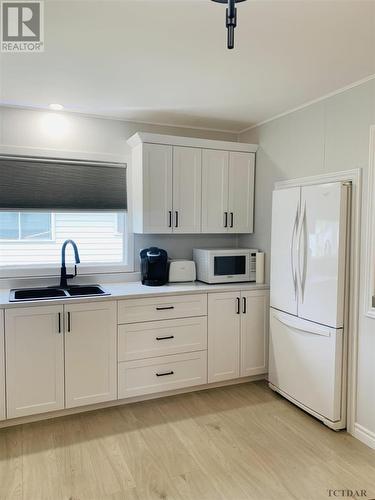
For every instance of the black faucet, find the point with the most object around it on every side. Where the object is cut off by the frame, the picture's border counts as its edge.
(64, 277)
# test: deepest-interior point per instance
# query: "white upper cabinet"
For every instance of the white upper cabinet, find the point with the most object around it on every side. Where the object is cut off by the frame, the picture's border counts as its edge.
(188, 185)
(187, 189)
(227, 192)
(215, 172)
(156, 179)
(2, 367)
(241, 192)
(90, 353)
(34, 360)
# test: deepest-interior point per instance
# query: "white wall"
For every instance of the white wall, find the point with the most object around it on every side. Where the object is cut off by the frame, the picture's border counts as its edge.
(329, 136)
(73, 135)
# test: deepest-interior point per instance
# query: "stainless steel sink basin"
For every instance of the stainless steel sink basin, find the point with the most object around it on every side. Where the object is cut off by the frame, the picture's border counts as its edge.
(24, 294)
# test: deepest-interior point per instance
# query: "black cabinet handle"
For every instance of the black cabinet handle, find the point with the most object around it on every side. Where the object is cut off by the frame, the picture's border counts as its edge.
(164, 374)
(170, 218)
(164, 308)
(238, 305)
(176, 218)
(231, 219)
(165, 338)
(244, 305)
(59, 320)
(225, 219)
(69, 323)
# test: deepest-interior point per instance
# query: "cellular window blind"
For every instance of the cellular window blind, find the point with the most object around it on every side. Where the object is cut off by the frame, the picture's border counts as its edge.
(63, 185)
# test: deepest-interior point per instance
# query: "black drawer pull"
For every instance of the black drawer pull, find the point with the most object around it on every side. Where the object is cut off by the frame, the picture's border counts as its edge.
(164, 308)
(164, 374)
(165, 338)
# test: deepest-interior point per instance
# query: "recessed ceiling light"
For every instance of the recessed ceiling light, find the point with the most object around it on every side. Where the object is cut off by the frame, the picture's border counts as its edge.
(56, 107)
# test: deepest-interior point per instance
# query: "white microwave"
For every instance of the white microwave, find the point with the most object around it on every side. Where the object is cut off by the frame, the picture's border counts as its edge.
(229, 265)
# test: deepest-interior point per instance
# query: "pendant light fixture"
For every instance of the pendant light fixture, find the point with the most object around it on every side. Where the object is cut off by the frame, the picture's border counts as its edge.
(231, 19)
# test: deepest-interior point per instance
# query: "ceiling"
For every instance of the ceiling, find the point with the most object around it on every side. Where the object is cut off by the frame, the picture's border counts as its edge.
(166, 61)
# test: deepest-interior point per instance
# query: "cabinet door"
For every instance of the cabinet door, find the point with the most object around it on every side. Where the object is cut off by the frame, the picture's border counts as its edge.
(285, 214)
(34, 360)
(90, 353)
(254, 332)
(241, 192)
(157, 188)
(2, 367)
(215, 171)
(223, 336)
(187, 189)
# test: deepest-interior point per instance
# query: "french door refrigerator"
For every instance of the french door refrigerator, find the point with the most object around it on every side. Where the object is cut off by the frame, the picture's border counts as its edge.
(307, 356)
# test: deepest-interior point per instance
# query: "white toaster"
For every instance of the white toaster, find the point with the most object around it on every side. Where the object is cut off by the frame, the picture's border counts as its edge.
(182, 270)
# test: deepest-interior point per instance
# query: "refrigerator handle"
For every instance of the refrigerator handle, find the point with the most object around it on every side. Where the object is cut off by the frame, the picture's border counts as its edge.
(294, 232)
(305, 242)
(296, 324)
(301, 272)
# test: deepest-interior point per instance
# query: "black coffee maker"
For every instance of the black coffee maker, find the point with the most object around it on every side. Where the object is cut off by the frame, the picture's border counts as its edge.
(154, 266)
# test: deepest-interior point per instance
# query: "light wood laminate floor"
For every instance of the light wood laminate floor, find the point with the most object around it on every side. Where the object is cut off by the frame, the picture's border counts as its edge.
(232, 443)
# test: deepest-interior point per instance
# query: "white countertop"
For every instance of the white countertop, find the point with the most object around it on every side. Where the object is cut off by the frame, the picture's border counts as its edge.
(132, 290)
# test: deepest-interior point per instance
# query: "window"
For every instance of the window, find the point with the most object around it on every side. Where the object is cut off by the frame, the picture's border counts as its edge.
(33, 240)
(19, 226)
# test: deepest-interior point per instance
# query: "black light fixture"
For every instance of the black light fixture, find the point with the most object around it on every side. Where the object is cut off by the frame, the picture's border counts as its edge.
(231, 19)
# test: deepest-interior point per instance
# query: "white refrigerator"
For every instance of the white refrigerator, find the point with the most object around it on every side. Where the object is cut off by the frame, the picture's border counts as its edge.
(307, 356)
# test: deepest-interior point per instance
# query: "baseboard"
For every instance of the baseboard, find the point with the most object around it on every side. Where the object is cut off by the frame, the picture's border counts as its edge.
(120, 402)
(366, 436)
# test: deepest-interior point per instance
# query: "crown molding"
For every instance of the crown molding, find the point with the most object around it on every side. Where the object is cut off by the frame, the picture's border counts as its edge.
(310, 103)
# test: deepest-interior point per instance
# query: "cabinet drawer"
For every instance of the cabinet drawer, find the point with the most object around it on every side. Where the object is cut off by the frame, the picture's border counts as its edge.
(159, 338)
(147, 376)
(155, 308)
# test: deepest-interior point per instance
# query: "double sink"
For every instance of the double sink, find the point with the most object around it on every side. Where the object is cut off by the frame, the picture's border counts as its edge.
(46, 293)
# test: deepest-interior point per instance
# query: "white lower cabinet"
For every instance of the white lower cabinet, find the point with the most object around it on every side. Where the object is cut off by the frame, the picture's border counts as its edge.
(2, 367)
(161, 338)
(64, 356)
(90, 353)
(223, 336)
(254, 333)
(35, 366)
(157, 308)
(34, 360)
(237, 334)
(147, 376)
